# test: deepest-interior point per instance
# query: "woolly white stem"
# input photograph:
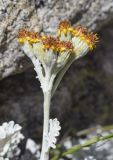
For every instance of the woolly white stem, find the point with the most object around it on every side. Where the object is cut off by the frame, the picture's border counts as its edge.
(47, 99)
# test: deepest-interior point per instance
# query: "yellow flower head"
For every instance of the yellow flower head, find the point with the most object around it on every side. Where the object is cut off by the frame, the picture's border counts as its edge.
(70, 39)
(78, 31)
(31, 37)
(56, 45)
(48, 42)
(92, 39)
(50, 55)
(64, 27)
(88, 37)
(66, 31)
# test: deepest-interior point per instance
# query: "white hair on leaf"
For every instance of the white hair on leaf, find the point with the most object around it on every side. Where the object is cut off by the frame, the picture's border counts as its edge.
(10, 137)
(54, 128)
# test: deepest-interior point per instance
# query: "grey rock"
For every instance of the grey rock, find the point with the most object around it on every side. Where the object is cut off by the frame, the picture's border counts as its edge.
(43, 15)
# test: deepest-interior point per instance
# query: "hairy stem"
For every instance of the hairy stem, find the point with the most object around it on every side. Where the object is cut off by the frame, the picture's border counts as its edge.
(47, 99)
(60, 76)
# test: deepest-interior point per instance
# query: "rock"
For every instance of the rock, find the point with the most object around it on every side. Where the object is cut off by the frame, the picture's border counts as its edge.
(41, 15)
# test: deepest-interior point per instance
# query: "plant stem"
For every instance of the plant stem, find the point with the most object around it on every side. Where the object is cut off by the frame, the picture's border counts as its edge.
(47, 99)
(86, 144)
(93, 129)
(78, 147)
(61, 74)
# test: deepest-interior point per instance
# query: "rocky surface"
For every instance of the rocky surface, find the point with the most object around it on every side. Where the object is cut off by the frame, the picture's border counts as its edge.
(43, 15)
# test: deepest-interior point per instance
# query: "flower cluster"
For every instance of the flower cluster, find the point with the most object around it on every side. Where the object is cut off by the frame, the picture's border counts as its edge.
(67, 32)
(51, 57)
(52, 54)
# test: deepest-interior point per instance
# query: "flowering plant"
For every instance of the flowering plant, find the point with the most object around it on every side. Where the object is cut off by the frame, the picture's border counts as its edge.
(51, 57)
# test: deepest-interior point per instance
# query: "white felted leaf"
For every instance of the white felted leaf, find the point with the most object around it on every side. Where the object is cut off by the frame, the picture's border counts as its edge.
(54, 128)
(10, 137)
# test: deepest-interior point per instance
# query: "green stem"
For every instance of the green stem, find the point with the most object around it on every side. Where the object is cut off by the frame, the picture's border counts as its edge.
(93, 129)
(86, 144)
(80, 146)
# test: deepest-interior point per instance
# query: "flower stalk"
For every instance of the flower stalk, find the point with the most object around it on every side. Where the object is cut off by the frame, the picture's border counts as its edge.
(47, 101)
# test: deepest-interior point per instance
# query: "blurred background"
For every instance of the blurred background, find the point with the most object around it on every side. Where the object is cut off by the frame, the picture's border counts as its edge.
(84, 99)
